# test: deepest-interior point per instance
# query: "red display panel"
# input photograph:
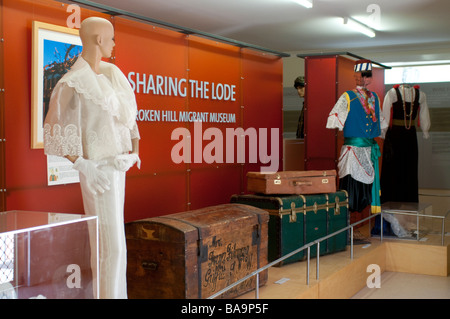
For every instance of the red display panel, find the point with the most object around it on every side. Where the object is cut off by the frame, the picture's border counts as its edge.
(2, 127)
(320, 97)
(25, 168)
(214, 173)
(163, 67)
(154, 60)
(262, 83)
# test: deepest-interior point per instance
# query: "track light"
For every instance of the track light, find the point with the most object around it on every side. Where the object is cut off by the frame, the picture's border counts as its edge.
(306, 3)
(358, 26)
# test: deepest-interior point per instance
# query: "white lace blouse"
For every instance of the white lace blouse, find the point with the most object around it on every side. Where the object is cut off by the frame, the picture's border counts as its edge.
(91, 115)
(408, 94)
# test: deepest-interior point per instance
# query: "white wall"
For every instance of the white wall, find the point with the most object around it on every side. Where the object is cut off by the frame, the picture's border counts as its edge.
(293, 66)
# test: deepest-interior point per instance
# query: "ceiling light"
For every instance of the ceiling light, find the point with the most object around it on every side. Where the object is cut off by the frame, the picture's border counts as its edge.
(306, 3)
(417, 63)
(358, 26)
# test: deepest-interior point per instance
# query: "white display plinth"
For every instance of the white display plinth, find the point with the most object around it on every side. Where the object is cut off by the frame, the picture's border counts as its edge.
(48, 255)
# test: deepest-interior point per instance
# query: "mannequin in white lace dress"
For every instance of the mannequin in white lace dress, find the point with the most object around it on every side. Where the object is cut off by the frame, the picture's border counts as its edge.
(92, 122)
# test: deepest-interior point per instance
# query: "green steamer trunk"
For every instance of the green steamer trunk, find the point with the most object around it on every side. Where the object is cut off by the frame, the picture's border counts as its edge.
(338, 218)
(296, 220)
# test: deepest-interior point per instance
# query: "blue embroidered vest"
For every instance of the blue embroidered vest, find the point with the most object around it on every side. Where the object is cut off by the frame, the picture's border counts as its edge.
(358, 123)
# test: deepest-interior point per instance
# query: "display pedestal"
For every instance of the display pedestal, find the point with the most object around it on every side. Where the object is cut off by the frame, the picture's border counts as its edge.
(48, 255)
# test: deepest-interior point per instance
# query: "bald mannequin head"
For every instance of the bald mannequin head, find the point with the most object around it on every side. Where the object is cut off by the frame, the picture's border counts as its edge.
(97, 37)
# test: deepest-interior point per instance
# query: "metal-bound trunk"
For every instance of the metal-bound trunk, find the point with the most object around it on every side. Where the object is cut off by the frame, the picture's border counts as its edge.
(296, 220)
(197, 253)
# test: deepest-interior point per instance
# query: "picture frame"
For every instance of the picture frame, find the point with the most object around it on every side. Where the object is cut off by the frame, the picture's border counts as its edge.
(54, 50)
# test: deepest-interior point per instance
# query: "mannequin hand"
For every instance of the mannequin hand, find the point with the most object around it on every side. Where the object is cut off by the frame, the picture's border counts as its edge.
(125, 161)
(95, 178)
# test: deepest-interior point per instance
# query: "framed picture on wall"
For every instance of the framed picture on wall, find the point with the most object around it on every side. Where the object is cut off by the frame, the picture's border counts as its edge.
(54, 50)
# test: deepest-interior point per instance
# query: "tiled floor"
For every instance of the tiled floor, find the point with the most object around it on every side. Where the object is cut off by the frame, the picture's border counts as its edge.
(395, 285)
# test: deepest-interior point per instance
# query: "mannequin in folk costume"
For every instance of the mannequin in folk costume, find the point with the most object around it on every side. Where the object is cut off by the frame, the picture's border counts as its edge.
(92, 122)
(358, 114)
(399, 175)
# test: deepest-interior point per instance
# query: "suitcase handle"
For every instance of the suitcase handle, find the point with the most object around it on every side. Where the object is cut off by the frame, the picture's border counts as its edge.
(300, 183)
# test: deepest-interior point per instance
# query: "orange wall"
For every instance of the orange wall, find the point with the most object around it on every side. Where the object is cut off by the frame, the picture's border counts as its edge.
(2, 121)
(161, 186)
(320, 96)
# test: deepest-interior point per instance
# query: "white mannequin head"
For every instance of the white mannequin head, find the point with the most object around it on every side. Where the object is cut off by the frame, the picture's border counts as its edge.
(97, 37)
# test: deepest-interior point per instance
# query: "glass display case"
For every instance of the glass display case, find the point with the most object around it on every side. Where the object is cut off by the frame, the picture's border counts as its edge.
(48, 255)
(408, 220)
(419, 208)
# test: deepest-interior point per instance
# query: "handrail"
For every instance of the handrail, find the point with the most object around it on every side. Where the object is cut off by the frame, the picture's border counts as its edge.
(317, 242)
(298, 250)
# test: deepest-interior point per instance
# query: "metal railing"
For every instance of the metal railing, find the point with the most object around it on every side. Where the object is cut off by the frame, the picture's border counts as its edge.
(317, 243)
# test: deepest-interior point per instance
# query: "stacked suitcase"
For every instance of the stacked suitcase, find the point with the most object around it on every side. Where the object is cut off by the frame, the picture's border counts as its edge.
(307, 214)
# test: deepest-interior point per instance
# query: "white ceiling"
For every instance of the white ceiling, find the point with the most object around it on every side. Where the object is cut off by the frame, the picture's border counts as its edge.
(420, 27)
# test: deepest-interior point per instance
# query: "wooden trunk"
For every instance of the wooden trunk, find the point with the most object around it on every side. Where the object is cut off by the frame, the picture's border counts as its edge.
(197, 253)
(292, 182)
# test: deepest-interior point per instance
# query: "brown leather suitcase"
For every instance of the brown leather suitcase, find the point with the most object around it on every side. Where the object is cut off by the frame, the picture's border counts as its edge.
(197, 253)
(292, 182)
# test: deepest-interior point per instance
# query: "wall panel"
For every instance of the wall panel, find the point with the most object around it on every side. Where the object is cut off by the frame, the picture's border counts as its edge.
(144, 51)
(26, 173)
(2, 117)
(262, 99)
(320, 97)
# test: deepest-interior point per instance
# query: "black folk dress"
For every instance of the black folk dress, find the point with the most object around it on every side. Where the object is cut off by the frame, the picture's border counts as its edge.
(399, 171)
